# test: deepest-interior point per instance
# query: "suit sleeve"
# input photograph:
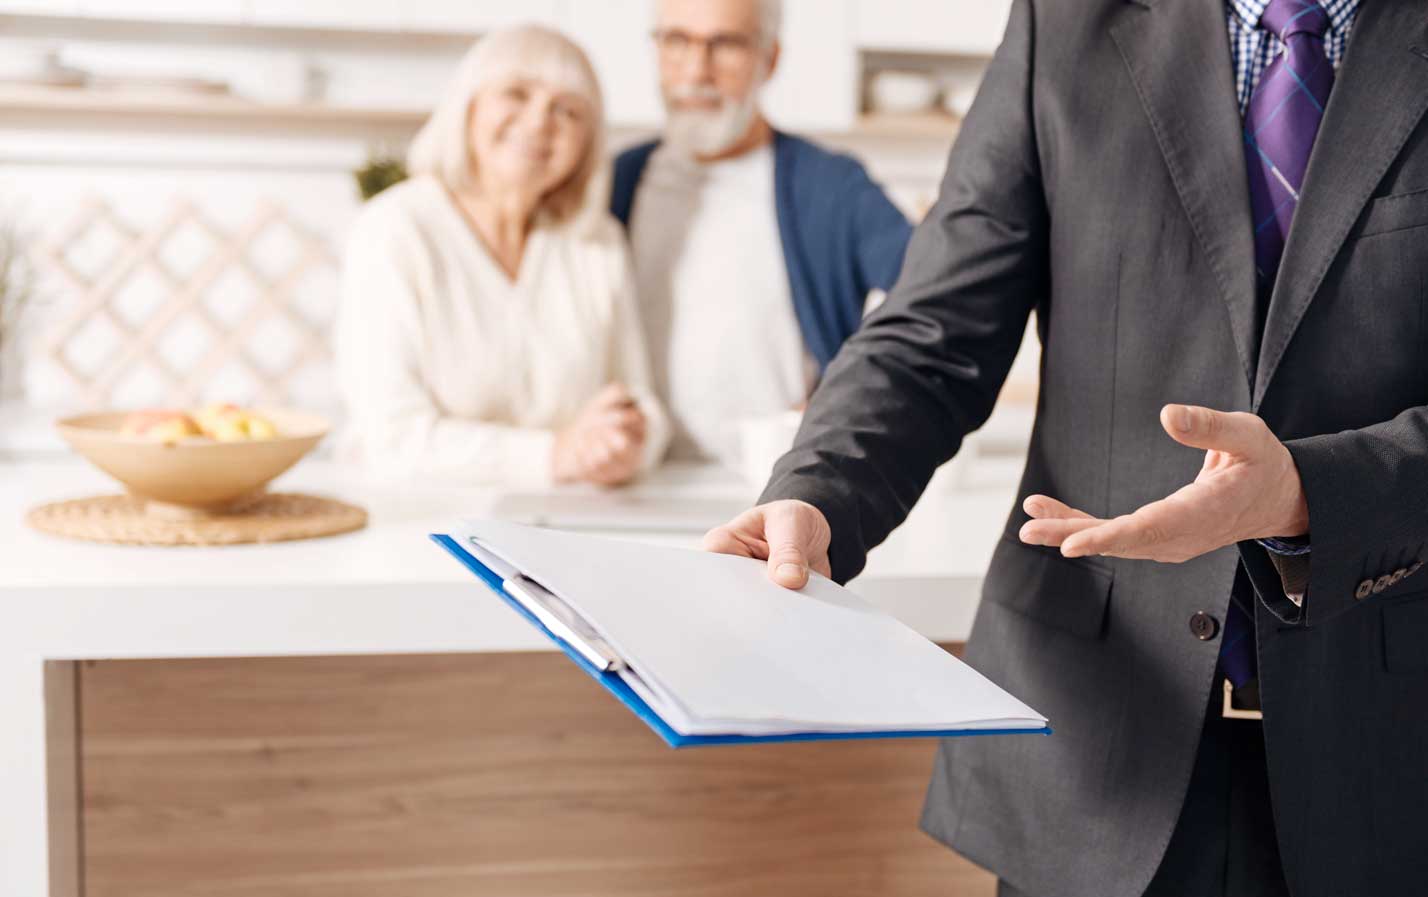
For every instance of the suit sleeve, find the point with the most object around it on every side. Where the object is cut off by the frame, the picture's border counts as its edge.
(925, 368)
(1366, 527)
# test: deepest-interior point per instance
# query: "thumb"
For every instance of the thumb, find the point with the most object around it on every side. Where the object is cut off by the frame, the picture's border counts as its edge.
(1233, 432)
(615, 393)
(609, 396)
(788, 547)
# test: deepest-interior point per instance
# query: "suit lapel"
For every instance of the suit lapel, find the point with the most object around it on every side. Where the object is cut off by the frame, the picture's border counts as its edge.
(1380, 93)
(1178, 54)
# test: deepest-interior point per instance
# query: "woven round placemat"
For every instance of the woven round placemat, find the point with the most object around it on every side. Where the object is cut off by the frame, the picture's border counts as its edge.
(124, 520)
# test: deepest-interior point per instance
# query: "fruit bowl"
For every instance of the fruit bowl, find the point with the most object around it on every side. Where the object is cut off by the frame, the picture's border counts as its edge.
(192, 475)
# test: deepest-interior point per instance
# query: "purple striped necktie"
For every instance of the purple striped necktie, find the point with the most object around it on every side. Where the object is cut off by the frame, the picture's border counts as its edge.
(1280, 126)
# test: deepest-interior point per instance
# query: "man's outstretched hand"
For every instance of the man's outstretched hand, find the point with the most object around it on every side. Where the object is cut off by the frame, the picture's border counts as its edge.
(1248, 488)
(793, 536)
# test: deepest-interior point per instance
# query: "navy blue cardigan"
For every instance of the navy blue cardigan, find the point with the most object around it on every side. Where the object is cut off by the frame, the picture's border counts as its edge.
(841, 235)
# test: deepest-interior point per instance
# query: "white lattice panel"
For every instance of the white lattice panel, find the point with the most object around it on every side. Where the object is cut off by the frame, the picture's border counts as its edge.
(181, 309)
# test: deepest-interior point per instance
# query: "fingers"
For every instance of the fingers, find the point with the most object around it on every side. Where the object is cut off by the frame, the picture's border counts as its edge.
(1043, 506)
(613, 409)
(792, 536)
(607, 438)
(615, 441)
(721, 540)
(1118, 537)
(628, 420)
(609, 444)
(1152, 531)
(742, 536)
(1052, 521)
(1055, 531)
(590, 458)
(612, 395)
(601, 465)
(1234, 432)
(1199, 517)
(600, 449)
(616, 458)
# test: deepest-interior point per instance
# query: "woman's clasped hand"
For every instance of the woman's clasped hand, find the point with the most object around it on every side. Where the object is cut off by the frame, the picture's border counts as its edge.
(605, 442)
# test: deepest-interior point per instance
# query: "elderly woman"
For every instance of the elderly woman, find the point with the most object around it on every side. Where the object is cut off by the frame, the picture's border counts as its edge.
(488, 331)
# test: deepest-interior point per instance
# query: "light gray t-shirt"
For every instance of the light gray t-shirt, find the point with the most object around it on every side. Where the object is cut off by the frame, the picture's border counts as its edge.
(715, 299)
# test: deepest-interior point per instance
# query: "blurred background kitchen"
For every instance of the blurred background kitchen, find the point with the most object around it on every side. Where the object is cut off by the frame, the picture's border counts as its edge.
(339, 716)
(224, 141)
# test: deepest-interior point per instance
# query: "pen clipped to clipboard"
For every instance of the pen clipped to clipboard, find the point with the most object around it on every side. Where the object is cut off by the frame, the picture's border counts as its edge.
(556, 615)
(706, 649)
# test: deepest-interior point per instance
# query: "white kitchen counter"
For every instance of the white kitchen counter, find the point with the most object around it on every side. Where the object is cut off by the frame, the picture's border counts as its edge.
(385, 589)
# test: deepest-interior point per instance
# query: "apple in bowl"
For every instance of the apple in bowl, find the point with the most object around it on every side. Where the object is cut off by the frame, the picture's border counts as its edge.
(160, 425)
(184, 467)
(230, 423)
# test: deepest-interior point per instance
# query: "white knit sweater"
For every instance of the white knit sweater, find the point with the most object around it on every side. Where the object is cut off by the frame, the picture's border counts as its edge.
(450, 369)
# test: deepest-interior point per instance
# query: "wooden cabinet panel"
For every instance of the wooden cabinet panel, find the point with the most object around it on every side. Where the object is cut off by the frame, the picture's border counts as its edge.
(503, 774)
(62, 770)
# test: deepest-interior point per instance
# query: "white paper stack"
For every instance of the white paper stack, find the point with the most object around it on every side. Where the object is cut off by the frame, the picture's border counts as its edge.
(715, 648)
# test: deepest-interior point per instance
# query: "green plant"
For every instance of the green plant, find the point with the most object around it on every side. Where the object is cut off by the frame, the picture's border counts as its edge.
(379, 173)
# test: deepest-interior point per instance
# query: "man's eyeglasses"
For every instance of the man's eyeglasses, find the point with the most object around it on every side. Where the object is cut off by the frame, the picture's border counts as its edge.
(726, 50)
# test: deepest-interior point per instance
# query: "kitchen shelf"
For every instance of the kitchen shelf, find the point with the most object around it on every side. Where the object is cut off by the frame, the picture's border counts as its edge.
(227, 33)
(928, 125)
(78, 101)
(71, 102)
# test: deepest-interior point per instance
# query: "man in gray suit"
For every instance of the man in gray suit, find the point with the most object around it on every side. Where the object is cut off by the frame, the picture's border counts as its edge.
(1230, 449)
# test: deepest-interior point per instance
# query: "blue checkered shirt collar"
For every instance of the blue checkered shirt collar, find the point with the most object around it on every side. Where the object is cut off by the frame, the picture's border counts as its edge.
(1341, 12)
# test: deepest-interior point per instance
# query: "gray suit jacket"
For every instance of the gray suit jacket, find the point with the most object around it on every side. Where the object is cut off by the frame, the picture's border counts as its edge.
(1099, 182)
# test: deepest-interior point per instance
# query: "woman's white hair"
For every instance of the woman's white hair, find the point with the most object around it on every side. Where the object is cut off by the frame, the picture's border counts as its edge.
(442, 147)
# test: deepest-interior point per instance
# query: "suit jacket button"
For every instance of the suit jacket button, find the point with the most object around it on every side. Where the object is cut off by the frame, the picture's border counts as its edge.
(1204, 626)
(1381, 583)
(1364, 590)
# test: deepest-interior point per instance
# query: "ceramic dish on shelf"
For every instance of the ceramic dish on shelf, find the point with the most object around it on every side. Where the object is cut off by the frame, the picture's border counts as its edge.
(957, 97)
(29, 65)
(896, 92)
(193, 475)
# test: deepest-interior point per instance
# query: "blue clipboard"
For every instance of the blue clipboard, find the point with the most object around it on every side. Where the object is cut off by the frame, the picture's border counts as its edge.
(617, 686)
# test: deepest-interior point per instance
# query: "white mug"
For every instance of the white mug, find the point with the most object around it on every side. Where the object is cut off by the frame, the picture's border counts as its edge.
(763, 440)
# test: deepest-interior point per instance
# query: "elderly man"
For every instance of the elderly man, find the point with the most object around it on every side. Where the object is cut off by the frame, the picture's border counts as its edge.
(754, 250)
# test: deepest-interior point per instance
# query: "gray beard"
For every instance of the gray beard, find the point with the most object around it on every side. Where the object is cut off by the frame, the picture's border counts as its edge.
(709, 133)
